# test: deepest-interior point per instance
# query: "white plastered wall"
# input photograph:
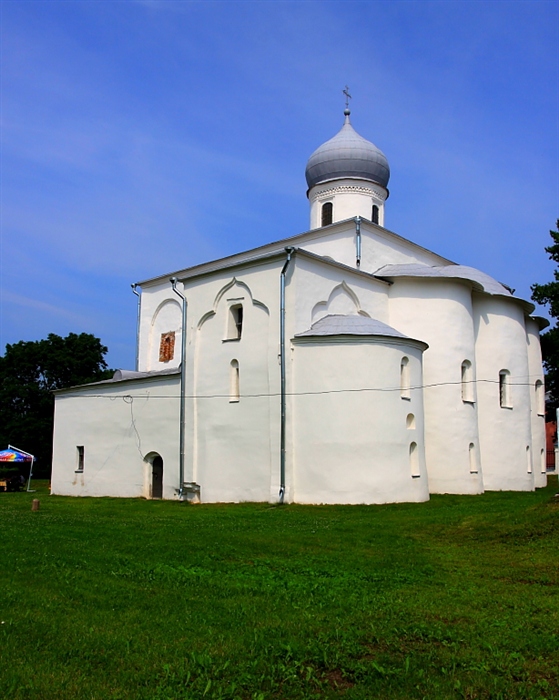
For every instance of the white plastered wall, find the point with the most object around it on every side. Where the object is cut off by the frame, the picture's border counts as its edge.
(505, 432)
(350, 445)
(378, 247)
(321, 289)
(439, 312)
(537, 402)
(121, 426)
(233, 441)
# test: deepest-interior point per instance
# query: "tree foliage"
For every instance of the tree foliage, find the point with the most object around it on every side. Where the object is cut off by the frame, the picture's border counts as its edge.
(548, 295)
(29, 372)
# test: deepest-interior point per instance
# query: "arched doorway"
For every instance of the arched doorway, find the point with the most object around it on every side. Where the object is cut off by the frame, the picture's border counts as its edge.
(157, 477)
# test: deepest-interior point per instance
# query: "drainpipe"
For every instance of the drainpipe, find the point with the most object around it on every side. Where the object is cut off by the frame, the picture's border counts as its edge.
(358, 241)
(182, 421)
(289, 252)
(137, 326)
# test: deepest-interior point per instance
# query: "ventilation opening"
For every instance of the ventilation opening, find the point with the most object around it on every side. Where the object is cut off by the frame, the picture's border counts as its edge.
(80, 453)
(234, 383)
(467, 382)
(374, 215)
(405, 378)
(327, 213)
(540, 398)
(473, 458)
(504, 389)
(414, 460)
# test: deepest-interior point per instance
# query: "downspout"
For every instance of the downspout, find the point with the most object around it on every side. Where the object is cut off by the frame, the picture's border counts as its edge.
(358, 241)
(289, 252)
(137, 326)
(182, 420)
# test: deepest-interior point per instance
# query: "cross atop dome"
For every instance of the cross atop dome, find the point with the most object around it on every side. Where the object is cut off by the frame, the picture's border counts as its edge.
(347, 99)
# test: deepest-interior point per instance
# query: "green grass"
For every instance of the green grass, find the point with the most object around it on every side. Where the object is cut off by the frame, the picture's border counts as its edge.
(107, 598)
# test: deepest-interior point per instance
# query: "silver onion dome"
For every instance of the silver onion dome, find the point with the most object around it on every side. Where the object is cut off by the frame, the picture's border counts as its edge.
(347, 155)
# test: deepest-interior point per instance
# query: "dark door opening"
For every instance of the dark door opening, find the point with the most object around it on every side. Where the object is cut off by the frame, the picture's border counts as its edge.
(157, 477)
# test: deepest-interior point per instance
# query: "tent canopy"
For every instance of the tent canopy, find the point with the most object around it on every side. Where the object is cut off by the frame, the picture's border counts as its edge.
(13, 455)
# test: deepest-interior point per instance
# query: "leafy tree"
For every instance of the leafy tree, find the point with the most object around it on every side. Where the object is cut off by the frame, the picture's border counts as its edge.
(548, 294)
(29, 372)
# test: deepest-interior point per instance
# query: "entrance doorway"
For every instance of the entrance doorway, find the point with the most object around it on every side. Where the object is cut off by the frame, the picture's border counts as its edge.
(157, 477)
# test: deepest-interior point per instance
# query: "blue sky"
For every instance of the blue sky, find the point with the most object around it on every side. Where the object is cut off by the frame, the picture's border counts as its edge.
(140, 137)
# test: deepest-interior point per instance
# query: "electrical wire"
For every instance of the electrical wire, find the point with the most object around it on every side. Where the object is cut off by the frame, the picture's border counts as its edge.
(128, 397)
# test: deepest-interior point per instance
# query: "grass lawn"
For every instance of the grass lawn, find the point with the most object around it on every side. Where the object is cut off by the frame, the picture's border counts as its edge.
(106, 598)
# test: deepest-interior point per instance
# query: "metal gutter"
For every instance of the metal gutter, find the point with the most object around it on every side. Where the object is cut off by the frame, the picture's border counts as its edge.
(182, 421)
(289, 251)
(135, 291)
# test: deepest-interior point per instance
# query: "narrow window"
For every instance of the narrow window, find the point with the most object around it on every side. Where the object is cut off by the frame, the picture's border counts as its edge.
(80, 456)
(235, 327)
(542, 462)
(234, 383)
(467, 382)
(327, 213)
(167, 347)
(528, 460)
(405, 378)
(374, 217)
(410, 421)
(473, 458)
(540, 399)
(504, 389)
(414, 460)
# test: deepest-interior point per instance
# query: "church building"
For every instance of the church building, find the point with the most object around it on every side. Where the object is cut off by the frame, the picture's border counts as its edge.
(346, 364)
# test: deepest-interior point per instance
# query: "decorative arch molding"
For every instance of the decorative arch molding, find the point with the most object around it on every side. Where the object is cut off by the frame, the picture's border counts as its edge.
(219, 296)
(322, 307)
(164, 303)
(150, 456)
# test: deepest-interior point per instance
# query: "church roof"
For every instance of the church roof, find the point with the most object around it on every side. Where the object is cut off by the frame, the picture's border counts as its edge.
(347, 155)
(488, 284)
(339, 324)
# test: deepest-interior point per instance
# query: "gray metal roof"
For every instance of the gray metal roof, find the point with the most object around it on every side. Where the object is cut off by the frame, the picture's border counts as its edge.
(335, 324)
(488, 284)
(124, 375)
(347, 154)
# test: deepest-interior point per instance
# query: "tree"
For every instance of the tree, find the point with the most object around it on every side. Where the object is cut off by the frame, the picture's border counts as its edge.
(548, 294)
(29, 372)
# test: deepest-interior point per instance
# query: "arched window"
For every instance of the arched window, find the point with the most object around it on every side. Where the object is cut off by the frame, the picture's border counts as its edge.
(467, 382)
(528, 460)
(540, 399)
(405, 378)
(473, 458)
(410, 421)
(327, 213)
(374, 216)
(504, 389)
(235, 322)
(414, 460)
(234, 383)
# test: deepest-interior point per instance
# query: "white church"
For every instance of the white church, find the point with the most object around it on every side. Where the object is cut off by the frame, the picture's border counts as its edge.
(346, 364)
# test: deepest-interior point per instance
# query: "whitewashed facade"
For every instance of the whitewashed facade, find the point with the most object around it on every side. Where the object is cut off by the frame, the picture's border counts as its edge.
(404, 373)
